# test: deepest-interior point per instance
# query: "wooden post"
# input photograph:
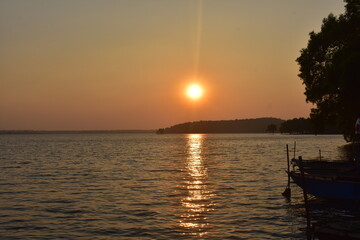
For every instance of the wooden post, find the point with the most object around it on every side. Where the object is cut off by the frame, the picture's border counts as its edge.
(287, 192)
(308, 223)
(288, 164)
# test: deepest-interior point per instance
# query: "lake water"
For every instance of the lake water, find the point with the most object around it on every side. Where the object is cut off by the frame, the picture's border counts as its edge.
(148, 186)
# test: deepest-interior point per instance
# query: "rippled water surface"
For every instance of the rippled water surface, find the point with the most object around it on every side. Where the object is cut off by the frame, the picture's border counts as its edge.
(147, 186)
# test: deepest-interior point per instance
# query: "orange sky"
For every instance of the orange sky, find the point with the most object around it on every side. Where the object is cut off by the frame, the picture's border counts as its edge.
(87, 64)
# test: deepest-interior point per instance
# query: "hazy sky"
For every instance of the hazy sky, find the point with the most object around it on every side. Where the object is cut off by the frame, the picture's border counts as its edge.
(124, 64)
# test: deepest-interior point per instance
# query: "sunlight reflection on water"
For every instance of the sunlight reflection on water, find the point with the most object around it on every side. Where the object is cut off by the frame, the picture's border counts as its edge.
(197, 201)
(147, 186)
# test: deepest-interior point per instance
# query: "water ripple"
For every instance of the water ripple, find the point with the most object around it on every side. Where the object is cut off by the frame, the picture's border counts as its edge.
(145, 186)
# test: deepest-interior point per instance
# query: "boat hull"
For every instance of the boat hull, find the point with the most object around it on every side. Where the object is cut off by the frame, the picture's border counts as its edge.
(329, 187)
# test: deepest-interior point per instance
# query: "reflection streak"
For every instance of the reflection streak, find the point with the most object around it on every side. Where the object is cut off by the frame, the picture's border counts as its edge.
(197, 201)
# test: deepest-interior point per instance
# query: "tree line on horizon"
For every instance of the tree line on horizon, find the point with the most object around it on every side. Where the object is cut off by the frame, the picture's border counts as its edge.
(257, 125)
(301, 126)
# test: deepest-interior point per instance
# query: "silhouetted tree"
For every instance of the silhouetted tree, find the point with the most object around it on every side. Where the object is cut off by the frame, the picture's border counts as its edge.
(330, 70)
(160, 131)
(296, 125)
(271, 128)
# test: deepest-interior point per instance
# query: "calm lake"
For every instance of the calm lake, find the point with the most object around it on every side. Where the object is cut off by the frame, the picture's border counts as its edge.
(148, 186)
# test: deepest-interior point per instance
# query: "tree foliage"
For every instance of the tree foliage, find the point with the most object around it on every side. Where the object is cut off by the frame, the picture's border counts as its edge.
(330, 70)
(271, 128)
(296, 126)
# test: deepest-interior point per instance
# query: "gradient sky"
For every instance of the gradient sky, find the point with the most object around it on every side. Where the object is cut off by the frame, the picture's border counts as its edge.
(124, 64)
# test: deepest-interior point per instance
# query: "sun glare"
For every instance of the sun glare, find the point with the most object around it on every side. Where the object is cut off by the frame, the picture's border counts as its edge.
(194, 91)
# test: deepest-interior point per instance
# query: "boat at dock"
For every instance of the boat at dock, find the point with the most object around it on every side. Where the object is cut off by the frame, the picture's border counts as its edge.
(338, 180)
(329, 184)
(335, 180)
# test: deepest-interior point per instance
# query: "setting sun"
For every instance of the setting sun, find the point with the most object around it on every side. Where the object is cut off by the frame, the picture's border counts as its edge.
(194, 91)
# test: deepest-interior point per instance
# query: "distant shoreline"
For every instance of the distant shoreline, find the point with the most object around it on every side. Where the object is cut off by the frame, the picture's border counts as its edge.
(254, 125)
(39, 132)
(14, 132)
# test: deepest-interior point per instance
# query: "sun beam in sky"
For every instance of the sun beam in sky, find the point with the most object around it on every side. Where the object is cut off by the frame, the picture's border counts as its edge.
(194, 91)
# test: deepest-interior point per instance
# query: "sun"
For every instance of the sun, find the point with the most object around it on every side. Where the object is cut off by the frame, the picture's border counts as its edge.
(194, 91)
